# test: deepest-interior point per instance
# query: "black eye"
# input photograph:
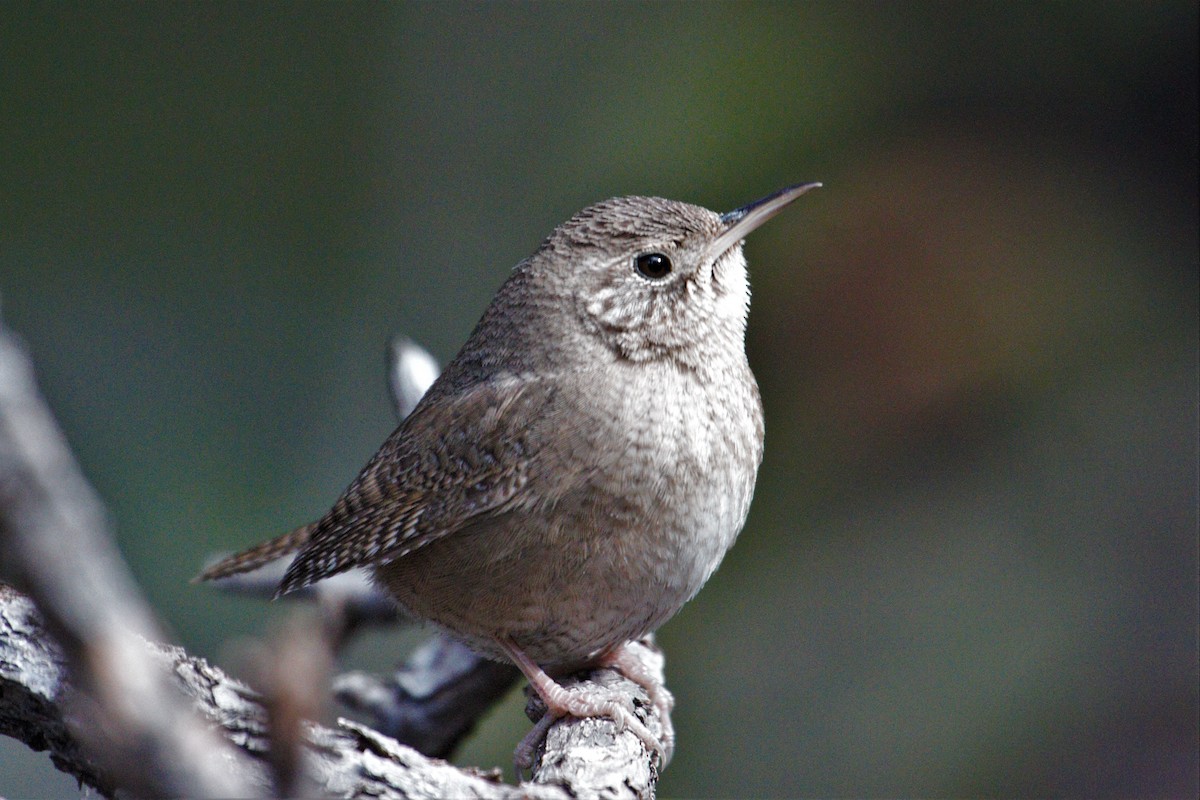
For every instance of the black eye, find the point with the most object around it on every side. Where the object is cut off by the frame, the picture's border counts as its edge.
(654, 266)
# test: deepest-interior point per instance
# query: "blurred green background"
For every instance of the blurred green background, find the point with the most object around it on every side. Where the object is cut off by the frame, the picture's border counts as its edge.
(971, 565)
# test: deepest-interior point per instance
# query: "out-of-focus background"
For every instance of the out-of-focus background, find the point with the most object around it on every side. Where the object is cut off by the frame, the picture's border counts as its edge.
(971, 565)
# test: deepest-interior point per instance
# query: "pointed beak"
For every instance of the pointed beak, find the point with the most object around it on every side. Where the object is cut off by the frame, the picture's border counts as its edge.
(745, 219)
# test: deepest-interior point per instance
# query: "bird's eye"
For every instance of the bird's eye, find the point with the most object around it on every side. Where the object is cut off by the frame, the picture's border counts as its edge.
(654, 266)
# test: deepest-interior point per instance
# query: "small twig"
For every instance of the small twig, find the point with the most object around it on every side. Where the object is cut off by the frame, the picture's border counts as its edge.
(293, 672)
(434, 700)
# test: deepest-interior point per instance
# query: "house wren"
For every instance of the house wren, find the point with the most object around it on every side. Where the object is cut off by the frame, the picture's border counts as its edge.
(582, 465)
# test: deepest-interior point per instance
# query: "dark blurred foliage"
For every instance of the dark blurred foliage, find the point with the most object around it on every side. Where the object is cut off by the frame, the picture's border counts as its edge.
(971, 565)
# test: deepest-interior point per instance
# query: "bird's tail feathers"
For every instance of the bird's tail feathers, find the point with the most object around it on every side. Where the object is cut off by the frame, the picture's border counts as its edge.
(261, 554)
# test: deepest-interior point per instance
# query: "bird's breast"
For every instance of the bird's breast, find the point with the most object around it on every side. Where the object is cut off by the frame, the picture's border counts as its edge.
(638, 484)
(676, 457)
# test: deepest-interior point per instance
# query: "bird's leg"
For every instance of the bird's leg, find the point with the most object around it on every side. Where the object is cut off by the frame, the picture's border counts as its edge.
(578, 701)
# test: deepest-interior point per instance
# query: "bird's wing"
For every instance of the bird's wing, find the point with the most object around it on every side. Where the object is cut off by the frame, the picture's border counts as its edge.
(453, 460)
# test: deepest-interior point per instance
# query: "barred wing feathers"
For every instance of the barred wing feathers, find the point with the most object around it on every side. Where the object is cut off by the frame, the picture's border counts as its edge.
(456, 458)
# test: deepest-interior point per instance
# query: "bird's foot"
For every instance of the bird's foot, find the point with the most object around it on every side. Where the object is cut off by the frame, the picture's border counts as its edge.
(593, 701)
(645, 669)
(527, 748)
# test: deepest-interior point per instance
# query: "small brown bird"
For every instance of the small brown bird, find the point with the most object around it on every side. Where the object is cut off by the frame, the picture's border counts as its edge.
(583, 464)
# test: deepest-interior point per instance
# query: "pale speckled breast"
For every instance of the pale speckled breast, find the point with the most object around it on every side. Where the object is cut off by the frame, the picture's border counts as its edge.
(642, 480)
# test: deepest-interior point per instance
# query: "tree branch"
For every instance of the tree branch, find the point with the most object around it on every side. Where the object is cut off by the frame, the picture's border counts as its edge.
(54, 544)
(583, 758)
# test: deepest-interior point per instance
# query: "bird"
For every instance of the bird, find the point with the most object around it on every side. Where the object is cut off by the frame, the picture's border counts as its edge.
(581, 467)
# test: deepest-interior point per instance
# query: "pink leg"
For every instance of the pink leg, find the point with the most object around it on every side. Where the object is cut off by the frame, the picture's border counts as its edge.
(577, 702)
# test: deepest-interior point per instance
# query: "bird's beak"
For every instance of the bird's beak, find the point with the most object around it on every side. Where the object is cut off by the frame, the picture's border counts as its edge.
(745, 219)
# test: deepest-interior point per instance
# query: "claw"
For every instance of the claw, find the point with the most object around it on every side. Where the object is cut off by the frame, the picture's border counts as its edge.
(592, 702)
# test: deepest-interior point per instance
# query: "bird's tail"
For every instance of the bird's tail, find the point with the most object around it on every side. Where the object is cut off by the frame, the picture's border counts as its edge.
(259, 555)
